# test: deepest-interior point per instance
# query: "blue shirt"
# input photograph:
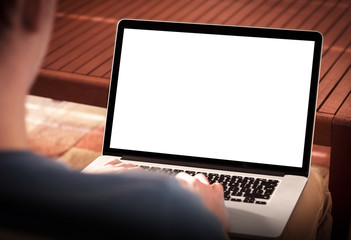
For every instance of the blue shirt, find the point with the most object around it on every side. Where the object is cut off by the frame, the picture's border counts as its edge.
(45, 197)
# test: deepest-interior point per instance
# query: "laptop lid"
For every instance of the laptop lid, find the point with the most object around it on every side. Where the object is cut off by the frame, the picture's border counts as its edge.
(222, 97)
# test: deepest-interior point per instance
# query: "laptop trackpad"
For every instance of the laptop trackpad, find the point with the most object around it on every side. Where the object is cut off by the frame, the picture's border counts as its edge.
(266, 221)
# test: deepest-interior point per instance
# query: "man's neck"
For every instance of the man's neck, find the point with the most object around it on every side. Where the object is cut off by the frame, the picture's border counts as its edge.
(13, 90)
(12, 122)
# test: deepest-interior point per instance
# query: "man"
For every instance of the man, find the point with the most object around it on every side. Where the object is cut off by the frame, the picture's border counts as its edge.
(42, 197)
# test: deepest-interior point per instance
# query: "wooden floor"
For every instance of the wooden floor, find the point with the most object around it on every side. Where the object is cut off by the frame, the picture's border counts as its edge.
(80, 53)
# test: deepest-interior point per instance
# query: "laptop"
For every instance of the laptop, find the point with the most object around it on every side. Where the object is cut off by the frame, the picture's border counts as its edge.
(235, 103)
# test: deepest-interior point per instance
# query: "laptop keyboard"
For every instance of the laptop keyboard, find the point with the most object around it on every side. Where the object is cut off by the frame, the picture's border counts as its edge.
(236, 188)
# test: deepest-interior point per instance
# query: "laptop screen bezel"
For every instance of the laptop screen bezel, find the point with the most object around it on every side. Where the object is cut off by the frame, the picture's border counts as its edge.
(316, 37)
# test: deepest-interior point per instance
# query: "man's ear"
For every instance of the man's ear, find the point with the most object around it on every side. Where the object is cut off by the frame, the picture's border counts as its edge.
(31, 14)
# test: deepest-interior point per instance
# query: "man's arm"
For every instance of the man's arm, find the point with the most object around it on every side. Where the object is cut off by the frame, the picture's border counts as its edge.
(211, 195)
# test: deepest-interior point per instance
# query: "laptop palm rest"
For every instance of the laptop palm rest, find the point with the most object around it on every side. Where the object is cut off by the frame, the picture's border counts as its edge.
(266, 221)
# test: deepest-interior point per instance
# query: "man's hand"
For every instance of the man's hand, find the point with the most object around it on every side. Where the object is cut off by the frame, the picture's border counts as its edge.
(212, 195)
(109, 165)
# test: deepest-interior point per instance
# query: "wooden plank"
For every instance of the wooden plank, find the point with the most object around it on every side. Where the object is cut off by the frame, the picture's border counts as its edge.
(77, 28)
(338, 96)
(214, 12)
(262, 10)
(140, 11)
(71, 7)
(98, 9)
(107, 75)
(167, 13)
(60, 21)
(119, 8)
(111, 8)
(85, 46)
(90, 8)
(59, 31)
(289, 14)
(343, 116)
(332, 78)
(330, 21)
(199, 11)
(128, 9)
(101, 70)
(158, 9)
(96, 61)
(304, 15)
(234, 8)
(61, 28)
(335, 51)
(91, 53)
(75, 43)
(183, 12)
(274, 14)
(237, 17)
(317, 16)
(339, 27)
(64, 5)
(71, 87)
(244, 12)
(323, 129)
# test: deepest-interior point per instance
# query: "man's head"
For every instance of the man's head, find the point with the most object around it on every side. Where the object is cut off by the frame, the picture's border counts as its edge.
(25, 27)
(6, 11)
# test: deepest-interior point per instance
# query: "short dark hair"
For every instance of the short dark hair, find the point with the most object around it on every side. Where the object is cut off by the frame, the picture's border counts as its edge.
(7, 8)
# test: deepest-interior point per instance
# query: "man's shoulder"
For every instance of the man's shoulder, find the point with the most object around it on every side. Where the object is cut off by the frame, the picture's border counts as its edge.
(27, 160)
(47, 193)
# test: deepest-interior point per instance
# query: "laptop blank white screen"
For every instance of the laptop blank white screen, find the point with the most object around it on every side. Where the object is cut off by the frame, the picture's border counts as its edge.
(213, 96)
